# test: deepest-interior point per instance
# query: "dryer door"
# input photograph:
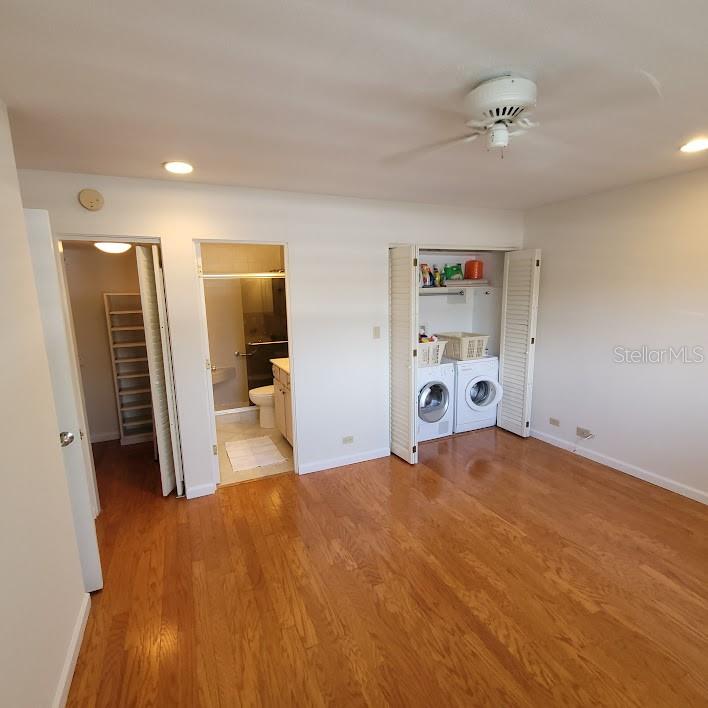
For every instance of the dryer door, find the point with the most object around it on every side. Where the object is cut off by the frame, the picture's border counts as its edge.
(483, 393)
(433, 401)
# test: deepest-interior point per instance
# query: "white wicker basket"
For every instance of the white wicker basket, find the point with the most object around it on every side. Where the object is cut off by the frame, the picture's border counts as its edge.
(430, 353)
(464, 345)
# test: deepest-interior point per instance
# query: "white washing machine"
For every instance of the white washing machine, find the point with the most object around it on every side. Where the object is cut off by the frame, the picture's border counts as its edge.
(478, 393)
(436, 401)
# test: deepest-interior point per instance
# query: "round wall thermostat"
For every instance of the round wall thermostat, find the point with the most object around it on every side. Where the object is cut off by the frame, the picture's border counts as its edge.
(91, 199)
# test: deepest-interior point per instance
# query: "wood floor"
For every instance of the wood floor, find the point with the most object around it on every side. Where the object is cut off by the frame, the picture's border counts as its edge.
(498, 572)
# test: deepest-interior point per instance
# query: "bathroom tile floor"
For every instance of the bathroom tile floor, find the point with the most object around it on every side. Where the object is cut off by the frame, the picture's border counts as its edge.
(242, 426)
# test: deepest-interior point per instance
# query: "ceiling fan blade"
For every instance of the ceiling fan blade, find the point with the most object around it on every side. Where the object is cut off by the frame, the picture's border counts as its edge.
(431, 147)
(526, 122)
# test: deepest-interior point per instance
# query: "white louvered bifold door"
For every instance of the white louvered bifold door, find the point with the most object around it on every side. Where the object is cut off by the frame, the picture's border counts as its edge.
(152, 296)
(403, 295)
(518, 337)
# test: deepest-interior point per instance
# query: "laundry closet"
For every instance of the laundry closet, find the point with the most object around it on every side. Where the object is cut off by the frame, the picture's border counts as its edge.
(462, 335)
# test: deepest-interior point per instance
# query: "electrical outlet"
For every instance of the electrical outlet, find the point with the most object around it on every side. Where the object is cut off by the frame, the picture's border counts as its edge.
(584, 433)
(554, 421)
(348, 439)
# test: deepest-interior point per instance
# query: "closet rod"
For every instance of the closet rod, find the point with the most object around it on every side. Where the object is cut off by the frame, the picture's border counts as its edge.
(441, 291)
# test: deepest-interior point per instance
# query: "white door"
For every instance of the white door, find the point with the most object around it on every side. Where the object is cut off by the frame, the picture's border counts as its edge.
(403, 302)
(157, 343)
(522, 271)
(66, 386)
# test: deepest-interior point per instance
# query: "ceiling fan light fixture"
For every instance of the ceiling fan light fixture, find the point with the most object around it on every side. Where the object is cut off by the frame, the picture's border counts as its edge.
(695, 145)
(112, 246)
(498, 136)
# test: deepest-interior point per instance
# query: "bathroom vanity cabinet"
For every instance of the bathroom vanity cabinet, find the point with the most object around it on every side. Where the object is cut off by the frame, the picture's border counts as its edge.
(282, 399)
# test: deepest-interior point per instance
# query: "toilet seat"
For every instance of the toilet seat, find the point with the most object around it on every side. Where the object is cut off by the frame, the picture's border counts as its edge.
(261, 395)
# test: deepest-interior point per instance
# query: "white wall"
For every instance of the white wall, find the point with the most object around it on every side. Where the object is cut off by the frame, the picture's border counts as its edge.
(628, 268)
(338, 273)
(42, 601)
(90, 273)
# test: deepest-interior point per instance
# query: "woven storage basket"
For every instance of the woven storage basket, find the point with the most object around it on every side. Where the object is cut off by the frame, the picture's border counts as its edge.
(464, 345)
(430, 353)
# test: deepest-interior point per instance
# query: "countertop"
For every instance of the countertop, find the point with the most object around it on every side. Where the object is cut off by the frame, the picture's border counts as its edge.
(283, 364)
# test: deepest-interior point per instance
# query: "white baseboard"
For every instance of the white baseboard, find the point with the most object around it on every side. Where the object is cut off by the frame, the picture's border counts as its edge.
(201, 490)
(625, 467)
(342, 461)
(105, 437)
(67, 671)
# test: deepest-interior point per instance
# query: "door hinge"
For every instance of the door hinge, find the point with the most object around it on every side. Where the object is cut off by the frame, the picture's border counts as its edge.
(533, 340)
(528, 423)
(415, 448)
(214, 449)
(207, 364)
(200, 271)
(538, 263)
(415, 262)
(415, 353)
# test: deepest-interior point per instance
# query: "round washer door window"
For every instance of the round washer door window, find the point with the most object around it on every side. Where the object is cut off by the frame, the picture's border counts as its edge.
(433, 401)
(482, 393)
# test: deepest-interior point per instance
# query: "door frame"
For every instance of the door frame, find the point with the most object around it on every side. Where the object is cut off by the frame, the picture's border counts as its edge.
(206, 356)
(437, 247)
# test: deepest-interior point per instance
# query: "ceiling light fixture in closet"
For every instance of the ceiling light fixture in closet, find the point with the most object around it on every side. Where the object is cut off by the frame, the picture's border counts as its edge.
(695, 145)
(176, 167)
(112, 247)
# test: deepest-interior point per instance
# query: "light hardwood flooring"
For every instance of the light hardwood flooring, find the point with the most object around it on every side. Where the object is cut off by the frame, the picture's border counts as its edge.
(498, 572)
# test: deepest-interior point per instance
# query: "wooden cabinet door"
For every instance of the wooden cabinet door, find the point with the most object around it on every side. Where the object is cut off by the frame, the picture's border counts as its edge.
(288, 405)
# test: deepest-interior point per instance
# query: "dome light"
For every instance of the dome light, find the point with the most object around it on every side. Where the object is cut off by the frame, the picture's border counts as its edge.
(112, 247)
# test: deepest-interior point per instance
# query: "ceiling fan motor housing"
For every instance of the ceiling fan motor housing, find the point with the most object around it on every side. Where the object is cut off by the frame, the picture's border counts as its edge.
(500, 100)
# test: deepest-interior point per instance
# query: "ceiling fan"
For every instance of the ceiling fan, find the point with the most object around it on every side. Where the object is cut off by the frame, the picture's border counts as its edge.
(497, 108)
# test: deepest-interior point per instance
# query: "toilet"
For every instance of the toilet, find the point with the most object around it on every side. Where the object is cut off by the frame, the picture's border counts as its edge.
(263, 398)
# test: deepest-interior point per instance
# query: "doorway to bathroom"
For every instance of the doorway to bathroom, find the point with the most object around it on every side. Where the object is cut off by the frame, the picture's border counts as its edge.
(247, 363)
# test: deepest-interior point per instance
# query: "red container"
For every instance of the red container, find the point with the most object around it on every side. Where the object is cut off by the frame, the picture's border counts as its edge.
(474, 270)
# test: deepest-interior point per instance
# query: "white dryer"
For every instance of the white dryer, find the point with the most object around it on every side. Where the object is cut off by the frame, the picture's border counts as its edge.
(435, 403)
(478, 393)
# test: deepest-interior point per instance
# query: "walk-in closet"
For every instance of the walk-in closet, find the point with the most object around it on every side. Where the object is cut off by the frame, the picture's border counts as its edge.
(120, 325)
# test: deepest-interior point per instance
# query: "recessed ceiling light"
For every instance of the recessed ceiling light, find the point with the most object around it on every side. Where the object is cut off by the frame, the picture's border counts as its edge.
(112, 247)
(178, 168)
(695, 145)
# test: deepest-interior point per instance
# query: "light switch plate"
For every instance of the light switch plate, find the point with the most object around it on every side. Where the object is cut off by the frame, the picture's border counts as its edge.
(377, 332)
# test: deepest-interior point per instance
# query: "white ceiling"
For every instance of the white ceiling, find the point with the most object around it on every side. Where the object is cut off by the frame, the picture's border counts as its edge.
(310, 96)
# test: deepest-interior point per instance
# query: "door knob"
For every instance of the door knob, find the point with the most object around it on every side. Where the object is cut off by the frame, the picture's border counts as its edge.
(66, 438)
